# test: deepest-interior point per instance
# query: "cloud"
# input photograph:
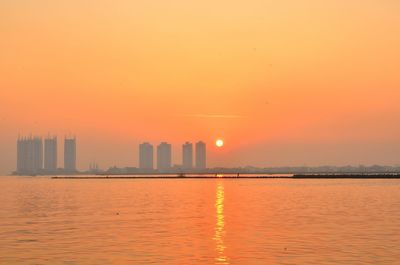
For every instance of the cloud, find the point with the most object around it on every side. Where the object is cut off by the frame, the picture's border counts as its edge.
(216, 116)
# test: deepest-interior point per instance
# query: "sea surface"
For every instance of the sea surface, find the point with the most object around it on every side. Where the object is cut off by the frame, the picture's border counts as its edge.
(199, 221)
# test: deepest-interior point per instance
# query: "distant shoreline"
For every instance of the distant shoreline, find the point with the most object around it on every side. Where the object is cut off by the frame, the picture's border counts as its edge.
(243, 176)
(347, 176)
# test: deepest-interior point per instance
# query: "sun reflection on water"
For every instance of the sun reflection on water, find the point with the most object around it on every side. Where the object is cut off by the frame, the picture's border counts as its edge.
(220, 226)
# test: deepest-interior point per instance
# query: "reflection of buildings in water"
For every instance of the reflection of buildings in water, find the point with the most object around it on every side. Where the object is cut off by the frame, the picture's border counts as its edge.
(220, 226)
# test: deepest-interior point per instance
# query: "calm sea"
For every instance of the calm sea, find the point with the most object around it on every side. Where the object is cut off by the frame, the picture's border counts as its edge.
(204, 221)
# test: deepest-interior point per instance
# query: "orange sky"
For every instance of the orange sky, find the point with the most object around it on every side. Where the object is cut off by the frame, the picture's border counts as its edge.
(283, 82)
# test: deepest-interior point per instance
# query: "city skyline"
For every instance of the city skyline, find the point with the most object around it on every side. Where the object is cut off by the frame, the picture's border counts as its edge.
(176, 159)
(35, 156)
(164, 152)
(283, 83)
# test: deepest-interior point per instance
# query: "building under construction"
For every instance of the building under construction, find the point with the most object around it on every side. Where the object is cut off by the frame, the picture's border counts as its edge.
(29, 155)
(33, 159)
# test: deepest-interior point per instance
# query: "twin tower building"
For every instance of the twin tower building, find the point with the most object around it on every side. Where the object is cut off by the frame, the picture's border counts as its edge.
(164, 156)
(34, 157)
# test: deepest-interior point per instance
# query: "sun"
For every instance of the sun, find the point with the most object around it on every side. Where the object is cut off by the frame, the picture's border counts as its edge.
(219, 143)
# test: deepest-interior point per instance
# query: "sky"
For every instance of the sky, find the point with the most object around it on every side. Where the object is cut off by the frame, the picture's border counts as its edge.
(283, 83)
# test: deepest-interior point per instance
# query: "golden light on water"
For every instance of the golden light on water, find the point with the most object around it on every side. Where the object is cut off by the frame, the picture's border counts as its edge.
(220, 226)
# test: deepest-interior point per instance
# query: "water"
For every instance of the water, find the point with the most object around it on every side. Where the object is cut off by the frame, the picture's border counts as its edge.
(206, 221)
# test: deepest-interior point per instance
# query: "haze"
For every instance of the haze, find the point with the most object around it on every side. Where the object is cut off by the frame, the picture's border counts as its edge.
(281, 82)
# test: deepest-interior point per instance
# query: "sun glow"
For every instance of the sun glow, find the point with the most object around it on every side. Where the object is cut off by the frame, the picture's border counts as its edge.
(219, 143)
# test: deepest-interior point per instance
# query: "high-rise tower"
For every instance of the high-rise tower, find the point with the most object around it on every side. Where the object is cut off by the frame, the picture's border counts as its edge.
(200, 155)
(164, 156)
(70, 154)
(146, 156)
(50, 154)
(187, 155)
(29, 155)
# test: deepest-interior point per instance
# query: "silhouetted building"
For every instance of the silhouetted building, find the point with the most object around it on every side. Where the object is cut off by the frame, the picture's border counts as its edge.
(70, 154)
(200, 155)
(50, 154)
(164, 154)
(29, 155)
(187, 155)
(146, 156)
